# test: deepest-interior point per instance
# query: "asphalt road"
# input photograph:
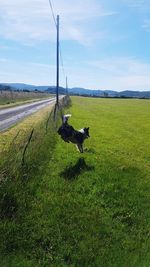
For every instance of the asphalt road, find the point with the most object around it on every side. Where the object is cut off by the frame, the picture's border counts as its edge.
(10, 116)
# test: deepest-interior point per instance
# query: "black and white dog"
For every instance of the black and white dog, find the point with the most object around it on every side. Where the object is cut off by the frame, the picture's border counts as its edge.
(69, 134)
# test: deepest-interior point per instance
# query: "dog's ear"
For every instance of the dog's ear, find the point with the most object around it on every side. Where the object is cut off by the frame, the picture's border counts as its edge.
(87, 131)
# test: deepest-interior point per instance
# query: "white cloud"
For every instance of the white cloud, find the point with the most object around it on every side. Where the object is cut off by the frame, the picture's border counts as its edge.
(3, 60)
(140, 5)
(146, 25)
(122, 65)
(113, 74)
(4, 47)
(28, 21)
(28, 72)
(122, 73)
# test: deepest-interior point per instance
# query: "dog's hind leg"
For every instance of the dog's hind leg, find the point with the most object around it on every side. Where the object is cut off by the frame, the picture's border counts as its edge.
(80, 148)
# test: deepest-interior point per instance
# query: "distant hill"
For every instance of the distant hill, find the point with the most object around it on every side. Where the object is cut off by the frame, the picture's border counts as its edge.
(23, 86)
(83, 91)
(100, 93)
(135, 94)
(109, 93)
(5, 87)
(76, 91)
(52, 90)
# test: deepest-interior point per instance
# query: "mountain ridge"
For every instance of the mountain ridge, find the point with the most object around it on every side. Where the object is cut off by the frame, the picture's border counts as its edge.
(76, 90)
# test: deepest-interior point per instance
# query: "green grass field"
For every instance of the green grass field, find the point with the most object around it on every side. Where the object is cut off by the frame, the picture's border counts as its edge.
(88, 209)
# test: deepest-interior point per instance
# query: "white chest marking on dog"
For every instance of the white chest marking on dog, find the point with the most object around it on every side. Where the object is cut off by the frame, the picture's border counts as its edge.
(81, 131)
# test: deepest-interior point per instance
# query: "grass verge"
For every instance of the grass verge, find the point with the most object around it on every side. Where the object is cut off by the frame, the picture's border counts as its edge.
(21, 128)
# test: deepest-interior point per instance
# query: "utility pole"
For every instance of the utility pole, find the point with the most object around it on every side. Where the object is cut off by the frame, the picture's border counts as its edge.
(66, 86)
(57, 67)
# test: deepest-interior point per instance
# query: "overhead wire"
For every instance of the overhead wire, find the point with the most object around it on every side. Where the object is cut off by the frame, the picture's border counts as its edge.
(53, 14)
(62, 64)
(60, 50)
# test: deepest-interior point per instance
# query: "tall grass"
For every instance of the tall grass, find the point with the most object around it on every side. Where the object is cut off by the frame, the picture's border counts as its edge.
(25, 157)
(21, 162)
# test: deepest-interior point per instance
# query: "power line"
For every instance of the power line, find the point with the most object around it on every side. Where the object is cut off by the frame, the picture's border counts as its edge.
(62, 64)
(53, 15)
(60, 50)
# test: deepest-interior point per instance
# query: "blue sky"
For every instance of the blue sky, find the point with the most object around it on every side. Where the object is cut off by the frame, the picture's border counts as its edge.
(104, 43)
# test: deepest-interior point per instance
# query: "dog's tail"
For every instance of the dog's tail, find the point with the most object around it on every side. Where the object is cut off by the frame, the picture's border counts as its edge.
(66, 117)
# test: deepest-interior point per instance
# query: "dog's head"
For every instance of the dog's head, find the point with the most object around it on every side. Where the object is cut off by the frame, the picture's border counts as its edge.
(86, 132)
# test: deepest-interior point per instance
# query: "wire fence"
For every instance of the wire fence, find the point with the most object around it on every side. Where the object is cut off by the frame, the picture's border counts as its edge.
(32, 148)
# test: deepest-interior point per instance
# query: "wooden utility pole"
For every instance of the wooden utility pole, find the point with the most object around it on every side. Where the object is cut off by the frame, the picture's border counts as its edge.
(57, 67)
(66, 86)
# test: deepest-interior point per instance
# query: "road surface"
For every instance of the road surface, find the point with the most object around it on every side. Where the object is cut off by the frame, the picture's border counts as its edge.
(10, 116)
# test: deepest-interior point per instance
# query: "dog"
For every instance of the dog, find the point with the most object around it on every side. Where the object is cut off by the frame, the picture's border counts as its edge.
(69, 134)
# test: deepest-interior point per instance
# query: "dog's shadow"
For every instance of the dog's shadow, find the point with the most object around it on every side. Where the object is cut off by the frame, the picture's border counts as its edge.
(73, 171)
